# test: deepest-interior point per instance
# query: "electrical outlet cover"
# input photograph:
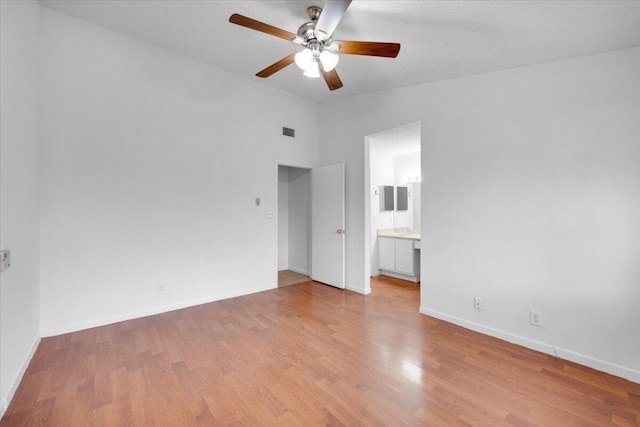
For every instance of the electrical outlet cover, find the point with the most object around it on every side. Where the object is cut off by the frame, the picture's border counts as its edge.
(535, 318)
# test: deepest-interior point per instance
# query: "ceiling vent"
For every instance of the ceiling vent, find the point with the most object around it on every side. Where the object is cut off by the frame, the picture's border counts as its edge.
(289, 132)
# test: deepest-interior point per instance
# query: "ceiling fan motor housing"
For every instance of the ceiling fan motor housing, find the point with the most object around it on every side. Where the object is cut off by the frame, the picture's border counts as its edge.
(306, 31)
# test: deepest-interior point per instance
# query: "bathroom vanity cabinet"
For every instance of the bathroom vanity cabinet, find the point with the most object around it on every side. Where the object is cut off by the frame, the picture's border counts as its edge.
(399, 257)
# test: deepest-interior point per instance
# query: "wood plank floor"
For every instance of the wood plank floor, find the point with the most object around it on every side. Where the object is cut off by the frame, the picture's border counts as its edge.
(288, 278)
(309, 354)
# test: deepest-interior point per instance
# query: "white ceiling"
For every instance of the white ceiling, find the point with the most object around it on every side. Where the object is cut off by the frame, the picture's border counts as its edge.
(440, 39)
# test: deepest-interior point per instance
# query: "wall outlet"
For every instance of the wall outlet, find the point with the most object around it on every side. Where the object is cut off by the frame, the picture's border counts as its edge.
(161, 289)
(535, 318)
(478, 304)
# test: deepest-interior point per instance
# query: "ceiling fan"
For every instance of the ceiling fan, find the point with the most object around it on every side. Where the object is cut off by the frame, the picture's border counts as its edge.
(320, 54)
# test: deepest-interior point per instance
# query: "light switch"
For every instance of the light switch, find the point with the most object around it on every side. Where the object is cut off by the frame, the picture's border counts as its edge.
(268, 214)
(5, 259)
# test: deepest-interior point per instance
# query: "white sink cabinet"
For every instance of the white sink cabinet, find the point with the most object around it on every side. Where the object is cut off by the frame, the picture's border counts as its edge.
(399, 258)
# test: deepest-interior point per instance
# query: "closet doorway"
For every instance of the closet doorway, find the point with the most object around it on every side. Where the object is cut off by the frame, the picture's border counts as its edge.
(294, 225)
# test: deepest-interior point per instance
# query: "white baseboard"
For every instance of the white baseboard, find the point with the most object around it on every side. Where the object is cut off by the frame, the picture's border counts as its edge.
(591, 362)
(497, 333)
(365, 291)
(4, 403)
(157, 310)
(600, 365)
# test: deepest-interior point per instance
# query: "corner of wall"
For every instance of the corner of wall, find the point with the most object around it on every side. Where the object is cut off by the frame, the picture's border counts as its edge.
(365, 291)
(4, 403)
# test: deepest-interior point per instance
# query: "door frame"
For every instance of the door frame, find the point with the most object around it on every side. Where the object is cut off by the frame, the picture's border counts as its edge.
(367, 214)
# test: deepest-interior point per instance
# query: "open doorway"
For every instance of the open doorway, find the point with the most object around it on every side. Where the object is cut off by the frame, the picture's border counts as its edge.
(393, 204)
(294, 225)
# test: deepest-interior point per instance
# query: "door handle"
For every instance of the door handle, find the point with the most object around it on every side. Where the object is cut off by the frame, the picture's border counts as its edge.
(341, 231)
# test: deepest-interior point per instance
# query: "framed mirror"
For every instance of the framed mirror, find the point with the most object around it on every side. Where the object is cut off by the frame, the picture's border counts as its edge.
(402, 198)
(386, 197)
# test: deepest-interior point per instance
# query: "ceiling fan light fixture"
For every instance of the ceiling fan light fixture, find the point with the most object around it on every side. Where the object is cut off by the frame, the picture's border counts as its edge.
(329, 60)
(312, 71)
(304, 59)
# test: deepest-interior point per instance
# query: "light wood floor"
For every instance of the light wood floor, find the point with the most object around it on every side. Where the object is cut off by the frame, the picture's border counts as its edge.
(288, 277)
(309, 354)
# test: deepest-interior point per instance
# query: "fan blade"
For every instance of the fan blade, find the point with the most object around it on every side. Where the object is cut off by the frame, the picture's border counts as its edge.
(274, 68)
(261, 26)
(332, 79)
(388, 50)
(331, 14)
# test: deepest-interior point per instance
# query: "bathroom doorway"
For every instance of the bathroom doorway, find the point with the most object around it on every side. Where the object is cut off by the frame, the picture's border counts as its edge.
(393, 170)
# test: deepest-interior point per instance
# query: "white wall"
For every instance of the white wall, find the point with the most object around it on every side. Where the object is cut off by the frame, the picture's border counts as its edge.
(19, 101)
(151, 163)
(531, 195)
(283, 217)
(406, 167)
(300, 220)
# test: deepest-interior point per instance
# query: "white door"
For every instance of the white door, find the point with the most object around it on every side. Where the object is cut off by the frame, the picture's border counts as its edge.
(327, 225)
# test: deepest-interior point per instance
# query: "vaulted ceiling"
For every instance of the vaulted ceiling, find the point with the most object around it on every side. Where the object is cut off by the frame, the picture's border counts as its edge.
(440, 39)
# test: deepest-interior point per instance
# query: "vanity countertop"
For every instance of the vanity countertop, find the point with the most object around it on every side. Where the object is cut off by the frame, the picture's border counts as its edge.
(400, 233)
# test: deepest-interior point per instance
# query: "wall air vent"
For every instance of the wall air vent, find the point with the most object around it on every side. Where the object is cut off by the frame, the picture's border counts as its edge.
(289, 132)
